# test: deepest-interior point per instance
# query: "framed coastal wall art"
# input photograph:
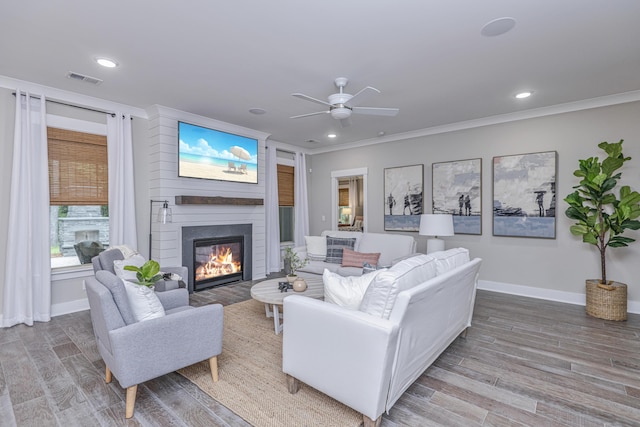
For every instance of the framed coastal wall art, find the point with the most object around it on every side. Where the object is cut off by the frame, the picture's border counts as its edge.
(457, 190)
(403, 193)
(524, 195)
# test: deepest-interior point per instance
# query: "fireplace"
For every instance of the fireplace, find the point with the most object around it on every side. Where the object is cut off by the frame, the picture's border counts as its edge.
(217, 254)
(217, 261)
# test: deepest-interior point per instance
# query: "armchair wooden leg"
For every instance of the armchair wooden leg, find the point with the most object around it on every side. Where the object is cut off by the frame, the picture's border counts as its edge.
(293, 384)
(107, 375)
(464, 333)
(368, 422)
(130, 401)
(213, 364)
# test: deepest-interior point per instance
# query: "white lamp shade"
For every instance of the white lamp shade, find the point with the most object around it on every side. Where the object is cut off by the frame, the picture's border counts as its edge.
(436, 225)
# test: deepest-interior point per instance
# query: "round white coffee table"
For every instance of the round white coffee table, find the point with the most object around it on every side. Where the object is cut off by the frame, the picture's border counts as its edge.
(268, 293)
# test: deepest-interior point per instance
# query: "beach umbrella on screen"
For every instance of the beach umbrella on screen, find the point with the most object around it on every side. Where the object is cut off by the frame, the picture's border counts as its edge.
(240, 153)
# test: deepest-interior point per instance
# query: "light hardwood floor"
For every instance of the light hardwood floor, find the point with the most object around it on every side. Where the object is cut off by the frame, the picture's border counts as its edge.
(525, 362)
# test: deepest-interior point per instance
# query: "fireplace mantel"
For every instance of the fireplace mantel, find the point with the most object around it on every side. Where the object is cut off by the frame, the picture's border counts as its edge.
(203, 200)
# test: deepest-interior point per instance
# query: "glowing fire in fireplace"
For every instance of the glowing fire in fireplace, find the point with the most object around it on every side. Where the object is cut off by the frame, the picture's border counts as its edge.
(220, 263)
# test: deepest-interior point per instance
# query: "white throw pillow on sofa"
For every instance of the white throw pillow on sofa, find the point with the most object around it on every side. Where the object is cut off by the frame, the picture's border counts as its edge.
(346, 291)
(118, 267)
(450, 259)
(381, 294)
(316, 247)
(143, 301)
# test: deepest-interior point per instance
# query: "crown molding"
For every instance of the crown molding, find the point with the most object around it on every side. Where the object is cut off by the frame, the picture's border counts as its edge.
(72, 98)
(604, 101)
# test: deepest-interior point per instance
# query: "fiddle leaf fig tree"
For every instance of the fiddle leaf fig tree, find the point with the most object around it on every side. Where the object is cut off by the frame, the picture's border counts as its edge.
(602, 217)
(148, 274)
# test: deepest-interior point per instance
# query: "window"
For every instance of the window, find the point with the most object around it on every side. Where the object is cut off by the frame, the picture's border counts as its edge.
(79, 196)
(286, 201)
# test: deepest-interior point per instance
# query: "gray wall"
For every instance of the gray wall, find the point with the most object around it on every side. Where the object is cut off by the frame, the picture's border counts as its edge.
(561, 264)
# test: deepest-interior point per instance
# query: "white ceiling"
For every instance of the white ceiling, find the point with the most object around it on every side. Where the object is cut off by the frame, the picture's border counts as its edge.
(220, 58)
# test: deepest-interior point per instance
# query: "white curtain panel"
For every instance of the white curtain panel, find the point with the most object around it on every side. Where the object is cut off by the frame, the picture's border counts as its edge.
(27, 277)
(122, 212)
(301, 208)
(272, 214)
(353, 197)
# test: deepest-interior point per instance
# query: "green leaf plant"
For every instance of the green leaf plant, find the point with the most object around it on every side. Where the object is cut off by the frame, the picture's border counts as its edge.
(602, 217)
(148, 274)
(294, 261)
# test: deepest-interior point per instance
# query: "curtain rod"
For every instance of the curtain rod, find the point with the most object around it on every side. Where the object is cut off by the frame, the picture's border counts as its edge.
(74, 106)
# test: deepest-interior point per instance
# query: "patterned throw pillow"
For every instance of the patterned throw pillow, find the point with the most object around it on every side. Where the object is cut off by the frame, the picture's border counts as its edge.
(335, 245)
(357, 259)
(368, 268)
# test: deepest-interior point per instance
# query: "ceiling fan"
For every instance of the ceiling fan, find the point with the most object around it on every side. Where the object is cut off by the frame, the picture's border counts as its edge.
(342, 104)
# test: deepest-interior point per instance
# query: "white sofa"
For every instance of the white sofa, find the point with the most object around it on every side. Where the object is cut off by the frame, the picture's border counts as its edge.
(390, 246)
(367, 358)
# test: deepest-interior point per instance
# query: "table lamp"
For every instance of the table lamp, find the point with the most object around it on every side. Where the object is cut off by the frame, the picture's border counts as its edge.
(436, 225)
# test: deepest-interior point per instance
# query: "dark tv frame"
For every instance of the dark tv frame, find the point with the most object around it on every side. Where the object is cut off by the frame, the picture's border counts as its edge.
(234, 175)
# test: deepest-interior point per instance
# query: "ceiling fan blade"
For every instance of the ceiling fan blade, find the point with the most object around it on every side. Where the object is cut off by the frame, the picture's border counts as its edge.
(345, 122)
(374, 111)
(308, 98)
(309, 114)
(363, 95)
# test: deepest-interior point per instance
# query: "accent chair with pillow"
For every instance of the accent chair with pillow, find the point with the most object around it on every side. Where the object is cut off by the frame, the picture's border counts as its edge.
(113, 260)
(142, 335)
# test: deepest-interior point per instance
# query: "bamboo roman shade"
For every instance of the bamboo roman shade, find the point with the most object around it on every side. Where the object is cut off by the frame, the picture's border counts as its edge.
(78, 169)
(343, 197)
(285, 185)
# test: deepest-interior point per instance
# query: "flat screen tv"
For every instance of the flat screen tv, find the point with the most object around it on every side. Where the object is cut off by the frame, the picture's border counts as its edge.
(212, 154)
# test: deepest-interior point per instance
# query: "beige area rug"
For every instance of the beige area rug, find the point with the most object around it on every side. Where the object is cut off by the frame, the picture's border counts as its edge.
(252, 383)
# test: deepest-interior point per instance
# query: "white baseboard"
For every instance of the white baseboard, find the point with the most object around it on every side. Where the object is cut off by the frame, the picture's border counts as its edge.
(545, 294)
(69, 307)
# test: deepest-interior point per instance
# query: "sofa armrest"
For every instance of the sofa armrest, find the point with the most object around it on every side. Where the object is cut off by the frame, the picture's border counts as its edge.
(146, 350)
(173, 298)
(343, 353)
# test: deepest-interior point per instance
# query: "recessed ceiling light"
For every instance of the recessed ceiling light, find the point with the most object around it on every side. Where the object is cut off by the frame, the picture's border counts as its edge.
(331, 135)
(498, 27)
(106, 62)
(523, 95)
(257, 111)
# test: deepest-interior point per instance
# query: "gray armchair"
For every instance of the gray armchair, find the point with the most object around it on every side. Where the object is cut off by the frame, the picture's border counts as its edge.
(136, 352)
(104, 261)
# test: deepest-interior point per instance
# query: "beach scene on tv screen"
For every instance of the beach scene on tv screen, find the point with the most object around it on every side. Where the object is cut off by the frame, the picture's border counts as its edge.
(212, 154)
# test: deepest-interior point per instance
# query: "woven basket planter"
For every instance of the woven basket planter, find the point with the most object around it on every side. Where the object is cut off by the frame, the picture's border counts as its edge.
(607, 304)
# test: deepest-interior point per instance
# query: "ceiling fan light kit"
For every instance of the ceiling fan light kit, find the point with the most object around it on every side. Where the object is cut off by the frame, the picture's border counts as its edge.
(341, 105)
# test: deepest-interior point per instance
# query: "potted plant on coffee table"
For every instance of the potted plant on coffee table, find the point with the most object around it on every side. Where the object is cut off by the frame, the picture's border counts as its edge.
(602, 217)
(293, 262)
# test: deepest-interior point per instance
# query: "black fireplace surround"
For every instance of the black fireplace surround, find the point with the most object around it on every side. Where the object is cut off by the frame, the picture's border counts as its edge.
(193, 233)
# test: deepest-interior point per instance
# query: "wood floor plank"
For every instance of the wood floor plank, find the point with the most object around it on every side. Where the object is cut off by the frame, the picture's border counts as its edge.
(525, 362)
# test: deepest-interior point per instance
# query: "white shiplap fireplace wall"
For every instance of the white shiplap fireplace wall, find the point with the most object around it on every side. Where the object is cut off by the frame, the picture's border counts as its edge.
(164, 184)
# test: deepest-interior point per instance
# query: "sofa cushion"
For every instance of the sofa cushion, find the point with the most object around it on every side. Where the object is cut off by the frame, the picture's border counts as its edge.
(346, 291)
(316, 247)
(317, 267)
(357, 259)
(381, 294)
(118, 267)
(335, 245)
(390, 246)
(450, 259)
(143, 301)
(118, 293)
